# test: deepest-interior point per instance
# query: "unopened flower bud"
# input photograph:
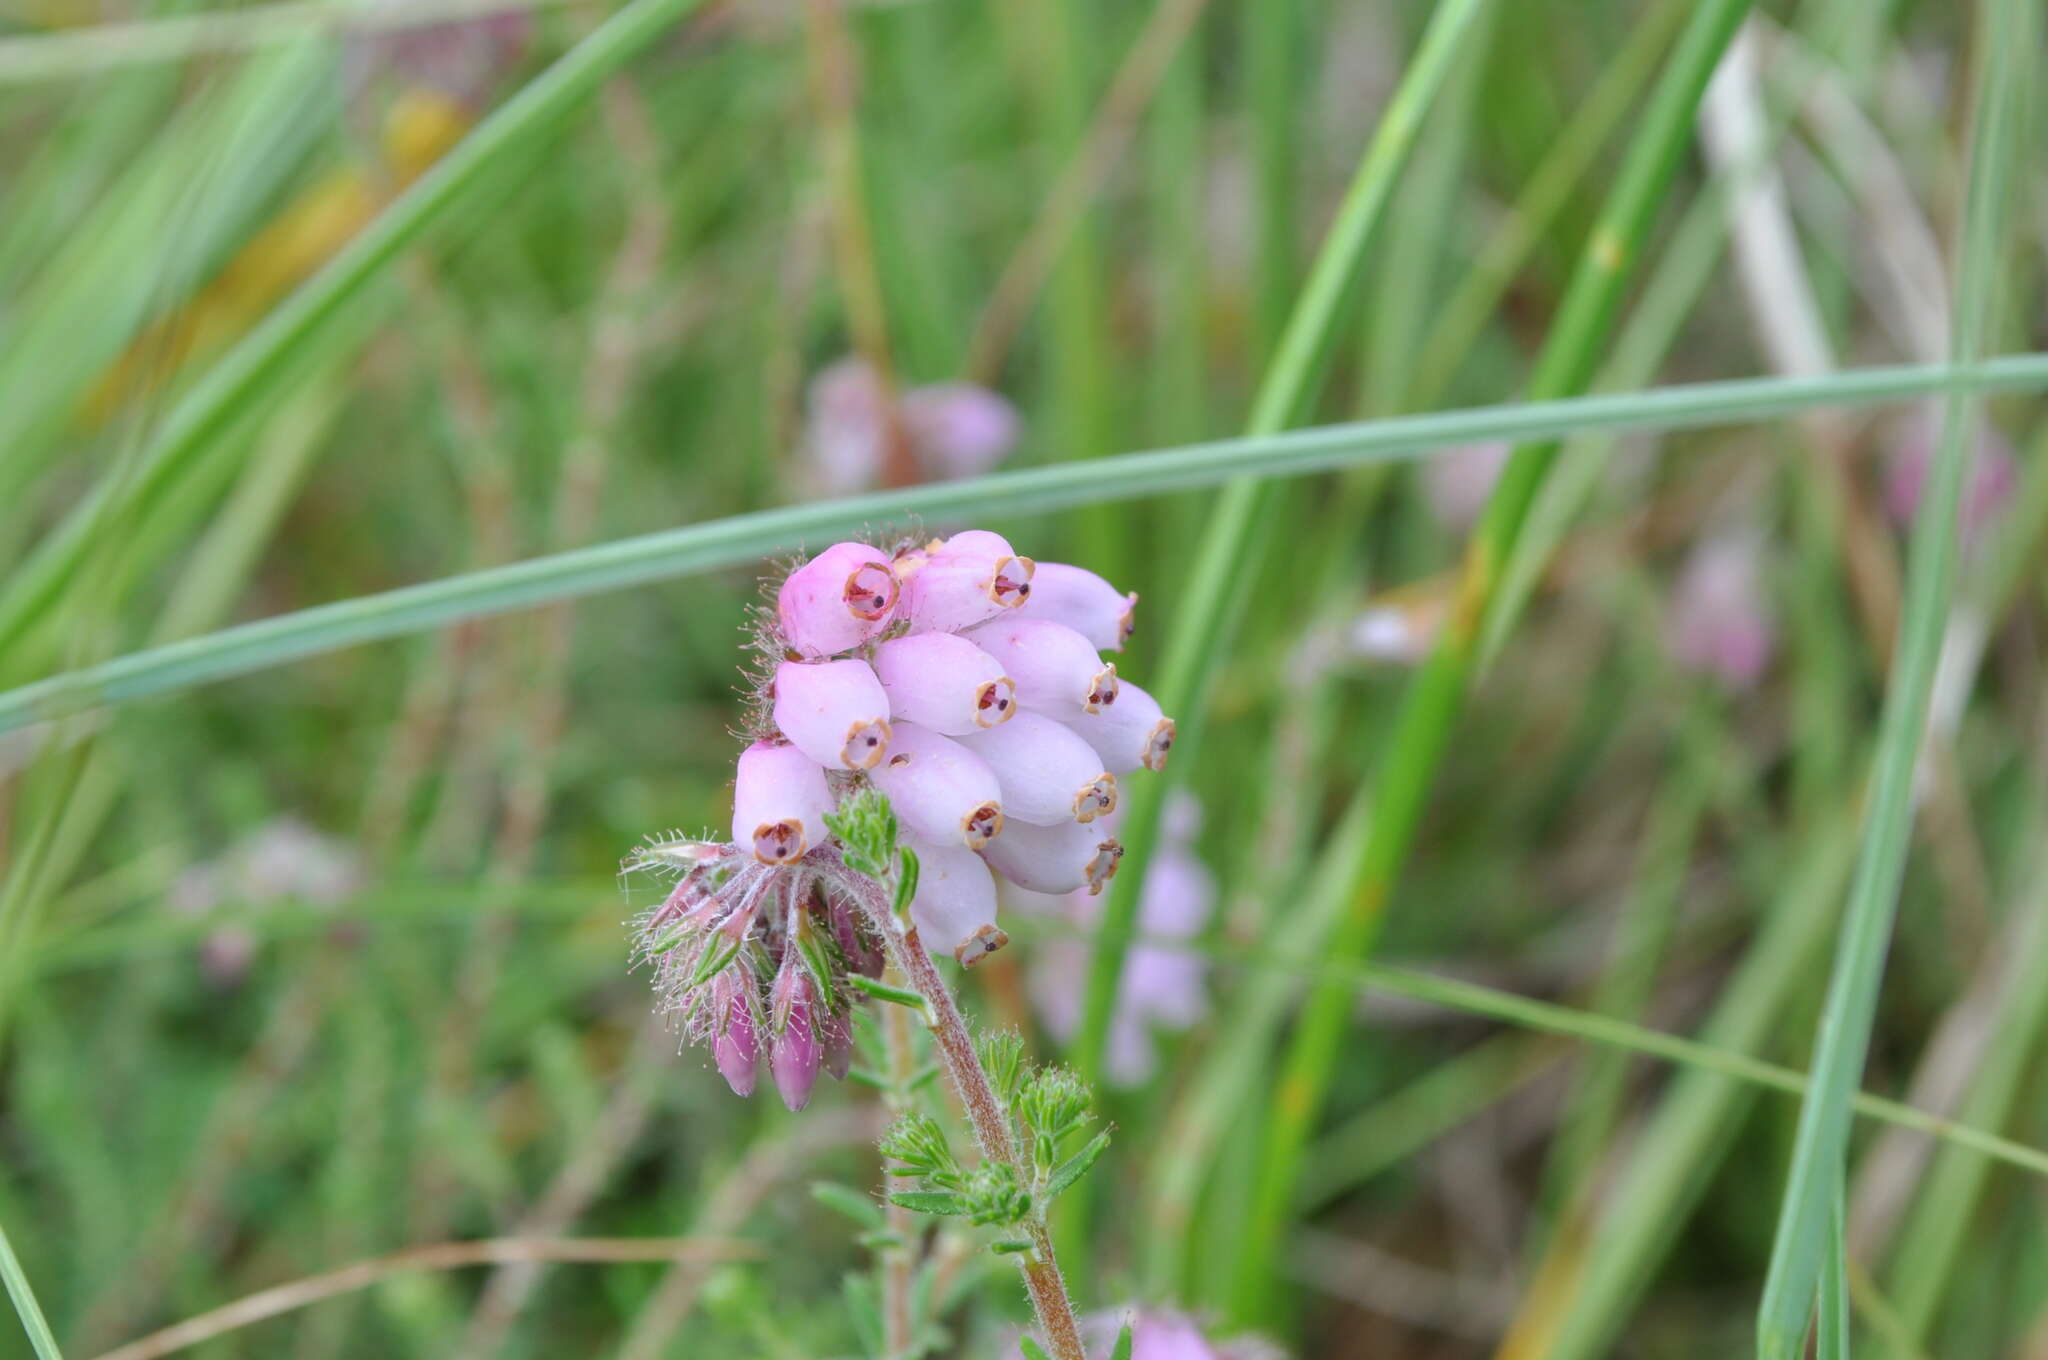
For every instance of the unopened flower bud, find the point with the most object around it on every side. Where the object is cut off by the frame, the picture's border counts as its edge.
(944, 682)
(954, 907)
(963, 581)
(835, 712)
(734, 1048)
(837, 600)
(795, 1054)
(1048, 775)
(1083, 601)
(1055, 669)
(779, 801)
(1130, 734)
(943, 792)
(1066, 858)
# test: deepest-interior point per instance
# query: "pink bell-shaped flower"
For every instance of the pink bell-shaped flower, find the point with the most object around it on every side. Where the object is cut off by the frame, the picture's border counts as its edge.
(942, 791)
(834, 712)
(944, 682)
(838, 600)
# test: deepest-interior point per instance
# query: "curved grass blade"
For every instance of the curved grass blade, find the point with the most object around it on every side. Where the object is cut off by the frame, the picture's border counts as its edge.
(255, 364)
(746, 538)
(25, 1306)
(1423, 729)
(1843, 1041)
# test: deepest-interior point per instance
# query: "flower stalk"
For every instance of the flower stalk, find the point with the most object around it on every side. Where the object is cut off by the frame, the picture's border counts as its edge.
(985, 1112)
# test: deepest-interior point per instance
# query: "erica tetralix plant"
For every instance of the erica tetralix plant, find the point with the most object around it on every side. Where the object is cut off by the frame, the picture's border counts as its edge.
(966, 685)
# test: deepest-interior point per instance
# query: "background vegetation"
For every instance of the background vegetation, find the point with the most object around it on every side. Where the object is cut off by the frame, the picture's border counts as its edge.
(1548, 834)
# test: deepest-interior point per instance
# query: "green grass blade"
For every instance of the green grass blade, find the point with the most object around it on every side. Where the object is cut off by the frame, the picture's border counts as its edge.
(747, 538)
(74, 53)
(25, 1306)
(254, 364)
(1844, 1036)
(1423, 729)
(1832, 1341)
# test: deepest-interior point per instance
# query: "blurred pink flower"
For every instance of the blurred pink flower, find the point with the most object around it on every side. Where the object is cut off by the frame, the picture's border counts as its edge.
(955, 429)
(1457, 482)
(1720, 622)
(283, 860)
(463, 59)
(1157, 1334)
(1994, 473)
(1162, 986)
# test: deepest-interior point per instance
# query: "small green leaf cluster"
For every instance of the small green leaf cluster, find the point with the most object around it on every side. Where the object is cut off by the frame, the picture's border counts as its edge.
(1048, 1106)
(871, 843)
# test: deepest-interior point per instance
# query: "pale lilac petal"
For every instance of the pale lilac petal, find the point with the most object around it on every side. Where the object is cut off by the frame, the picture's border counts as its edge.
(779, 803)
(1083, 601)
(1459, 482)
(954, 907)
(958, 429)
(1130, 734)
(940, 789)
(834, 712)
(1719, 622)
(1055, 670)
(968, 579)
(1047, 773)
(944, 682)
(1070, 857)
(838, 600)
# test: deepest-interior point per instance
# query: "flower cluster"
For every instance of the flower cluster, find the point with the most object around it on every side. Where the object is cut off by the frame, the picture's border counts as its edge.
(966, 685)
(950, 429)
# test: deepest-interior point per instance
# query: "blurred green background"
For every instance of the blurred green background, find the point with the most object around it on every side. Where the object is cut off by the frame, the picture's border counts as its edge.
(327, 961)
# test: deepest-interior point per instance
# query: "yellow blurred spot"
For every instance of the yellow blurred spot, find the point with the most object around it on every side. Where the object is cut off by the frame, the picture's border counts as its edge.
(307, 232)
(1607, 251)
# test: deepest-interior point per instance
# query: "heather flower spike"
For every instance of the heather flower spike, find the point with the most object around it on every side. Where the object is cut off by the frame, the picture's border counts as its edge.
(964, 580)
(779, 802)
(834, 711)
(944, 793)
(1083, 601)
(838, 600)
(1048, 774)
(1130, 734)
(898, 764)
(944, 682)
(1055, 670)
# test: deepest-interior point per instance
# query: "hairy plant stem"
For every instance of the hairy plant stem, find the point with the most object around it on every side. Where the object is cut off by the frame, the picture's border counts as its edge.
(898, 1260)
(985, 1113)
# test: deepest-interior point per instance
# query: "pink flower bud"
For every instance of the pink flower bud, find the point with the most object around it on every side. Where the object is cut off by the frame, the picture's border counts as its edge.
(779, 803)
(954, 908)
(1083, 601)
(837, 600)
(942, 791)
(795, 1054)
(944, 682)
(1129, 734)
(834, 711)
(734, 1048)
(963, 581)
(1048, 775)
(1054, 859)
(1055, 670)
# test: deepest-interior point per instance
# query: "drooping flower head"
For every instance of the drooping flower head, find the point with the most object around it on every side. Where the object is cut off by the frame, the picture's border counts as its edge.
(940, 676)
(951, 429)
